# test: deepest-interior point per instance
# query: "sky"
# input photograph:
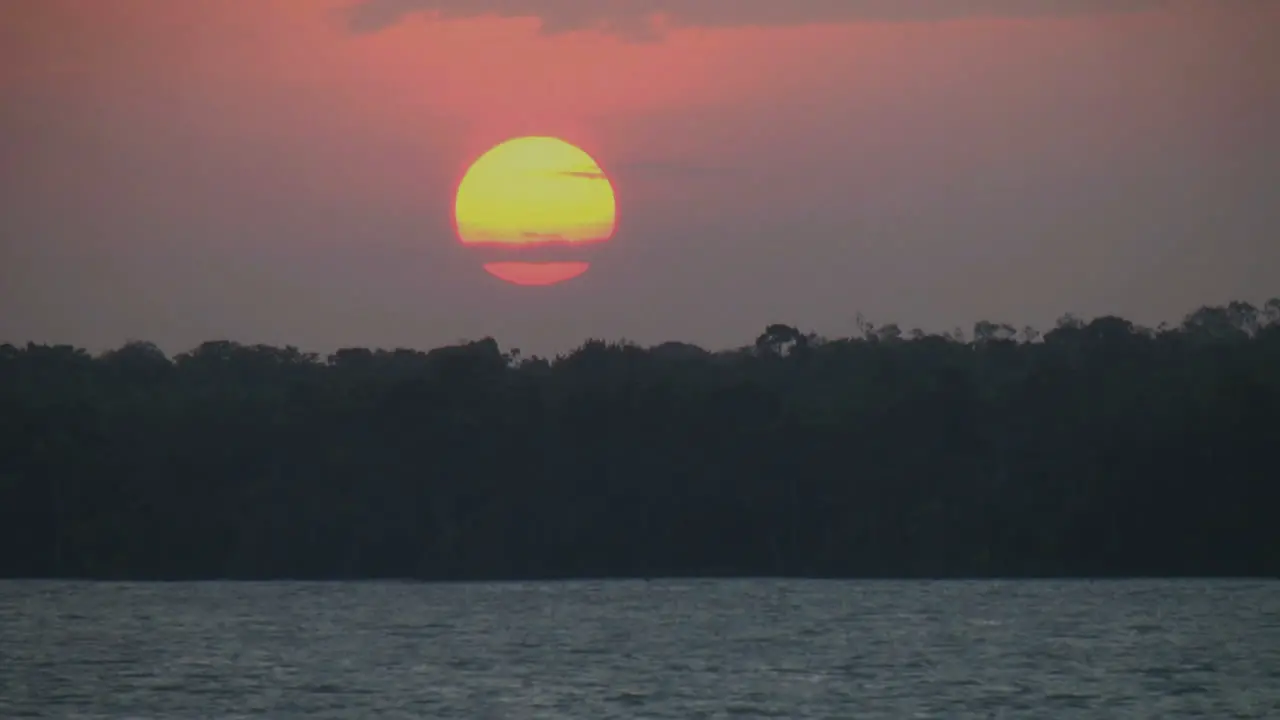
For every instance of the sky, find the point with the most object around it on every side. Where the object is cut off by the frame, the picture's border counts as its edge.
(283, 172)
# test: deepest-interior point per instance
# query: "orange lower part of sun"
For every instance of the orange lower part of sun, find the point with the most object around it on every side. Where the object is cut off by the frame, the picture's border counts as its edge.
(536, 273)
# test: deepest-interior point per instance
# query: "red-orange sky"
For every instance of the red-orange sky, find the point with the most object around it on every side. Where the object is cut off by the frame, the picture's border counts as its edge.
(282, 171)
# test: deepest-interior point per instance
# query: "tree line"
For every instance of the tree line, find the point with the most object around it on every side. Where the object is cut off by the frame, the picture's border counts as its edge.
(1098, 448)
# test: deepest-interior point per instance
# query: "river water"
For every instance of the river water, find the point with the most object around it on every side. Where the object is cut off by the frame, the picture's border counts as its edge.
(661, 649)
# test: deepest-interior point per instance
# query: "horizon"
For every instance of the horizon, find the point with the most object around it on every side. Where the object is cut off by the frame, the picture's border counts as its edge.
(1264, 315)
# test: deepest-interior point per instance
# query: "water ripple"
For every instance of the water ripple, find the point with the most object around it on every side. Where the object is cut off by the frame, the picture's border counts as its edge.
(602, 650)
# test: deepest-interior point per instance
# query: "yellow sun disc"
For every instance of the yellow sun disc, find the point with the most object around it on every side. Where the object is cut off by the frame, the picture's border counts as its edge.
(534, 191)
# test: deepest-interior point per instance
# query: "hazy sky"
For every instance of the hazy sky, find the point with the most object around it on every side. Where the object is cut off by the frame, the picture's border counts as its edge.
(282, 171)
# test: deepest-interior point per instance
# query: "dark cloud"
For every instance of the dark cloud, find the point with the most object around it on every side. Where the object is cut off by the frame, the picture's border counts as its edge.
(634, 19)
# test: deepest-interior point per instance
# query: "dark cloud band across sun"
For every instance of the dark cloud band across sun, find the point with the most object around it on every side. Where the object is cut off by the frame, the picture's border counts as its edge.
(636, 19)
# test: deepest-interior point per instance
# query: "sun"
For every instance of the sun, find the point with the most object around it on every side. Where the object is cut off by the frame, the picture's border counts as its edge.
(539, 199)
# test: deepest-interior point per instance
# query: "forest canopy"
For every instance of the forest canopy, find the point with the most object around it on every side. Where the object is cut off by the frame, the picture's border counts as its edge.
(1097, 448)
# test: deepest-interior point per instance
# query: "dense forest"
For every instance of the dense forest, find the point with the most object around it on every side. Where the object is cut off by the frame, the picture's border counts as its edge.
(1095, 449)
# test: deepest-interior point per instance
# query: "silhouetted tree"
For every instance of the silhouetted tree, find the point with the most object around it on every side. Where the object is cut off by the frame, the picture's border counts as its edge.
(1099, 448)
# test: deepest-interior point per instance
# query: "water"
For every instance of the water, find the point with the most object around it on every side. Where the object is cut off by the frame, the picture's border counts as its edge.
(677, 649)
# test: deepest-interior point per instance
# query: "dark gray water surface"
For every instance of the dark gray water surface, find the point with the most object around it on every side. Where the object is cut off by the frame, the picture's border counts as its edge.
(669, 649)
